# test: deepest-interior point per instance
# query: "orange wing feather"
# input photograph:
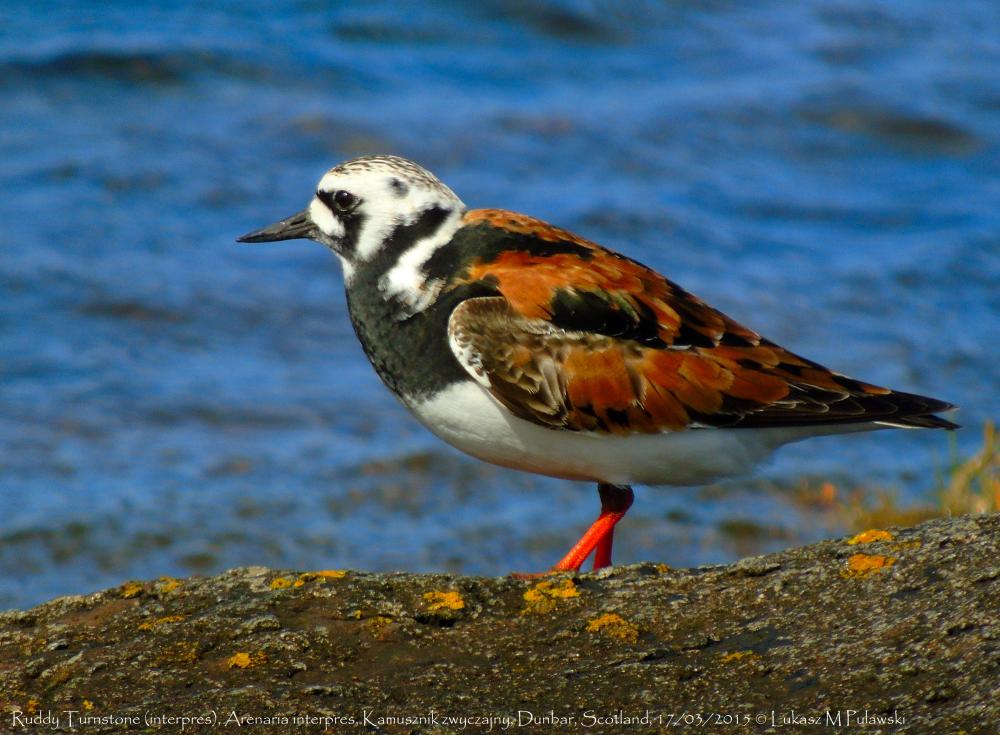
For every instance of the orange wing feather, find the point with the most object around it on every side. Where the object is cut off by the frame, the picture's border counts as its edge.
(581, 338)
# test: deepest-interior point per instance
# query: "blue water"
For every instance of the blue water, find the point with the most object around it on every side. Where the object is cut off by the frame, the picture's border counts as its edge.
(171, 402)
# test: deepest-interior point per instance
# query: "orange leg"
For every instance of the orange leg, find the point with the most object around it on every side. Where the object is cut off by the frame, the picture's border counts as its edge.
(615, 502)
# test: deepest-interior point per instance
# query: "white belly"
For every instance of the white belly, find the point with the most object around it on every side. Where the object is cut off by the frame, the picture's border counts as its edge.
(469, 418)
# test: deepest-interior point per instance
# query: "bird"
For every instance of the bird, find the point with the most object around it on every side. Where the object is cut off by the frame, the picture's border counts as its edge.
(533, 348)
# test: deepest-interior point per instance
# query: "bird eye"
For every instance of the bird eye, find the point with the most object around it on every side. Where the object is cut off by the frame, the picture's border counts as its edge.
(339, 201)
(344, 201)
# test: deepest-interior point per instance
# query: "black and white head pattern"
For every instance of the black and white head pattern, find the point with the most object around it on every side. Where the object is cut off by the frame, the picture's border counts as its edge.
(385, 210)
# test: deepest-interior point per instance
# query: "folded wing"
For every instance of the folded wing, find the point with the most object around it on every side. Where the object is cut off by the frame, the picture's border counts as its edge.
(584, 339)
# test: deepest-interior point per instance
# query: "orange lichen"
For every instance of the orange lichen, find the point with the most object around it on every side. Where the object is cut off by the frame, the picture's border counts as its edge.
(443, 600)
(736, 656)
(87, 705)
(324, 574)
(281, 583)
(184, 652)
(869, 536)
(614, 626)
(168, 584)
(131, 589)
(150, 624)
(544, 596)
(239, 660)
(244, 660)
(862, 565)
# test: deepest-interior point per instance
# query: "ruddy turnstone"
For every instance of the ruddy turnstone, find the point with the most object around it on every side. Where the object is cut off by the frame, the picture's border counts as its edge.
(530, 347)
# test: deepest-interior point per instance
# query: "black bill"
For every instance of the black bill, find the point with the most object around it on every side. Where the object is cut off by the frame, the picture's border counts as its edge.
(295, 227)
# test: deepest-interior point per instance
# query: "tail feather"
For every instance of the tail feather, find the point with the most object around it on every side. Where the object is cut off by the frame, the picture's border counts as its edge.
(811, 406)
(918, 412)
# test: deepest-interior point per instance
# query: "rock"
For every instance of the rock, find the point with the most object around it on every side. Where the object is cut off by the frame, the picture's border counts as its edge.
(888, 632)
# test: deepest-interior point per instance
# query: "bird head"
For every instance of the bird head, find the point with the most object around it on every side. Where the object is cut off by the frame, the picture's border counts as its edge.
(367, 208)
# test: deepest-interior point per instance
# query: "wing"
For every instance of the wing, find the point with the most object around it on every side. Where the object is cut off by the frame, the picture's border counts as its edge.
(578, 337)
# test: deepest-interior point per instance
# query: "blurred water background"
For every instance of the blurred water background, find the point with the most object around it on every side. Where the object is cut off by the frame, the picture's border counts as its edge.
(174, 403)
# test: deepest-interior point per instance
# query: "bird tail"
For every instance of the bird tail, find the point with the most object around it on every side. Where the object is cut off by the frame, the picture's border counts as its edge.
(918, 412)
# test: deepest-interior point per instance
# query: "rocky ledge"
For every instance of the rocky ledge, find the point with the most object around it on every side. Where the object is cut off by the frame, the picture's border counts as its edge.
(888, 632)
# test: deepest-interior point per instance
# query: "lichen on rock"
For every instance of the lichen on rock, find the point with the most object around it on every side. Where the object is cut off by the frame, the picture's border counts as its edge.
(903, 622)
